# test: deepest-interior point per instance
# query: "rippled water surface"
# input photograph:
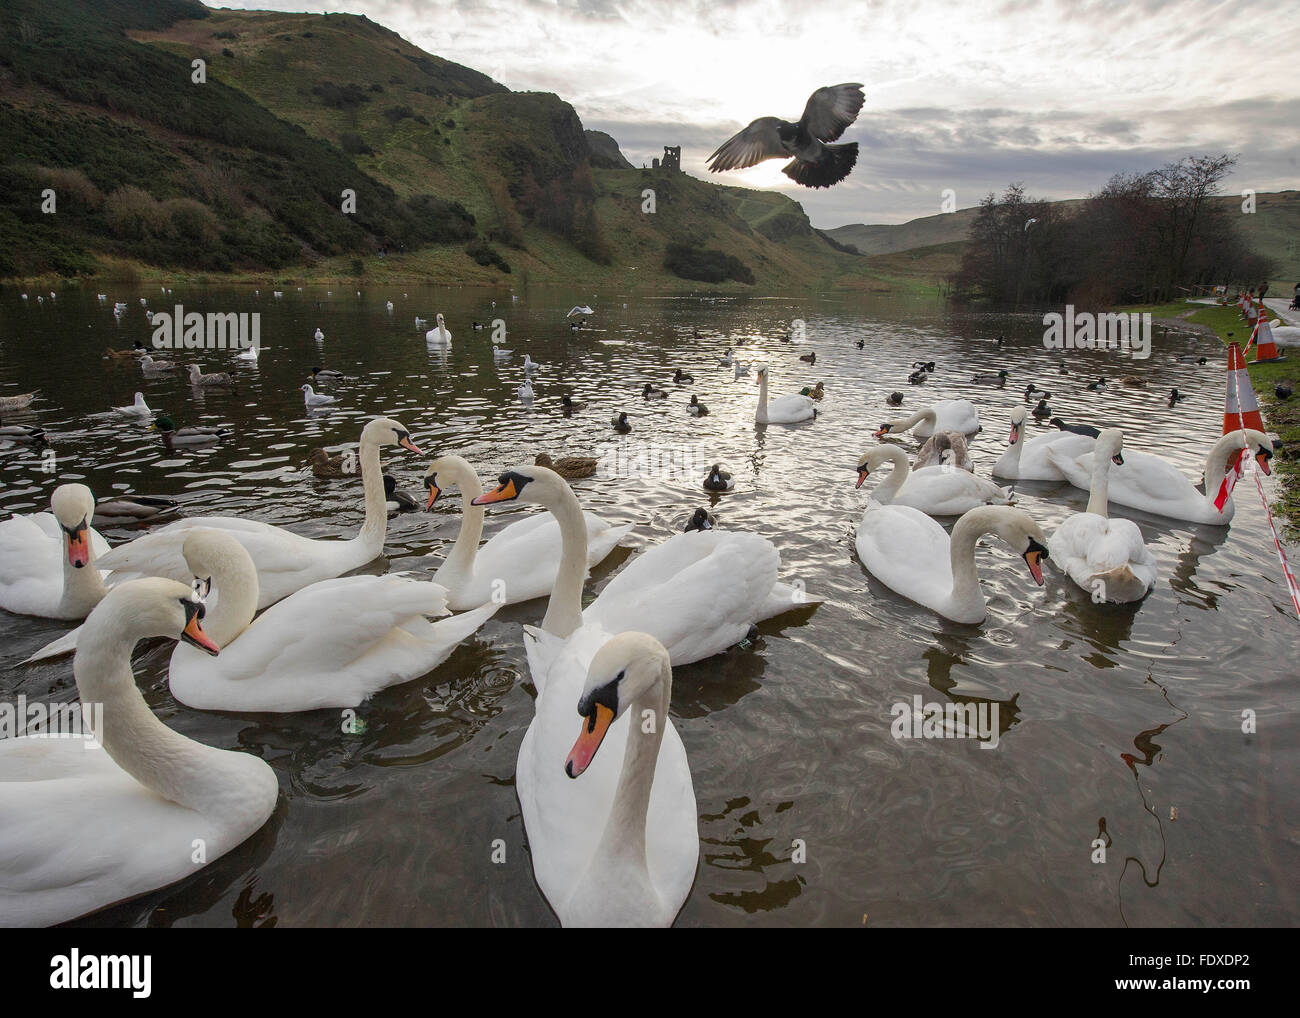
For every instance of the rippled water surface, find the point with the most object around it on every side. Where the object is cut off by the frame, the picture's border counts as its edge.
(1123, 723)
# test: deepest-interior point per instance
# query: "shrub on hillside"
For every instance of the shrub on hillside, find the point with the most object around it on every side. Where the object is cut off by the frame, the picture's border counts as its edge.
(71, 183)
(708, 265)
(355, 145)
(340, 97)
(485, 255)
(134, 214)
(440, 220)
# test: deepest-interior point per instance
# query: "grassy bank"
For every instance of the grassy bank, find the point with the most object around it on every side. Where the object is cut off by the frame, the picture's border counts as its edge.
(1282, 417)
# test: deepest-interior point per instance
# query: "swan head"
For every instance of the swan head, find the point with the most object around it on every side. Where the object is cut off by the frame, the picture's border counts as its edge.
(760, 375)
(1018, 416)
(622, 671)
(527, 484)
(1262, 445)
(876, 458)
(438, 317)
(1020, 533)
(454, 470)
(73, 506)
(385, 431)
(156, 607)
(1111, 443)
(210, 552)
(700, 520)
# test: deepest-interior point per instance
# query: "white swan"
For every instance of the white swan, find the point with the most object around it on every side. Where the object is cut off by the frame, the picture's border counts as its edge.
(912, 555)
(285, 561)
(939, 491)
(697, 593)
(48, 560)
(332, 644)
(1026, 460)
(82, 828)
(137, 409)
(957, 415)
(439, 335)
(1156, 486)
(520, 562)
(783, 410)
(611, 817)
(1105, 557)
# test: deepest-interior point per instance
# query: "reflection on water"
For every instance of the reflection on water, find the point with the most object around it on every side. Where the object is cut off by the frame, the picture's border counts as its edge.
(788, 738)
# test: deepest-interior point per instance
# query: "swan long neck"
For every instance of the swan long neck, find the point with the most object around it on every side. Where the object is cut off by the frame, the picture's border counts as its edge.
(375, 527)
(459, 565)
(1216, 463)
(235, 579)
(762, 393)
(564, 608)
(166, 762)
(911, 421)
(82, 587)
(1098, 490)
(624, 838)
(966, 591)
(888, 488)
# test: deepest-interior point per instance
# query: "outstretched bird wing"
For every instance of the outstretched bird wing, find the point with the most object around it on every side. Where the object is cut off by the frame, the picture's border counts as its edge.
(759, 141)
(831, 109)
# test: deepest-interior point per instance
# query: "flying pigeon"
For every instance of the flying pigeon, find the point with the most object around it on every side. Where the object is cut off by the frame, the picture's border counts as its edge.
(830, 110)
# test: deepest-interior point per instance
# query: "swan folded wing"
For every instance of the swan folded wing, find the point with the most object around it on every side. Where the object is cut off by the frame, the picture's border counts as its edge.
(33, 572)
(1077, 469)
(65, 644)
(790, 408)
(525, 556)
(908, 552)
(944, 492)
(697, 593)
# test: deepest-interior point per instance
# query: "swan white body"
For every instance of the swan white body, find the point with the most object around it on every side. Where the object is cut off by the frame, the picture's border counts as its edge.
(332, 644)
(83, 828)
(39, 556)
(1156, 486)
(784, 409)
(439, 335)
(957, 415)
(939, 491)
(1106, 557)
(912, 555)
(521, 561)
(1028, 460)
(285, 561)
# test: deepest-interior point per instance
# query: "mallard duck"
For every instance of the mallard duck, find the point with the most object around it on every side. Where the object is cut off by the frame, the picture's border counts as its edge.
(127, 509)
(682, 378)
(326, 375)
(718, 479)
(568, 467)
(619, 421)
(987, 378)
(701, 519)
(189, 435)
(8, 404)
(815, 391)
(571, 406)
(809, 358)
(894, 399)
(397, 501)
(1042, 411)
(697, 409)
(1133, 382)
(197, 377)
(650, 392)
(917, 377)
(331, 468)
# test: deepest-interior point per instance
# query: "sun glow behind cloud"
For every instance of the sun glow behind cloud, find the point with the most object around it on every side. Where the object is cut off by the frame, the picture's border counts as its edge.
(970, 96)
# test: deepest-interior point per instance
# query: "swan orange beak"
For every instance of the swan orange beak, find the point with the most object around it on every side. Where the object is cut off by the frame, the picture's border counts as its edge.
(406, 443)
(1014, 436)
(1262, 459)
(1118, 459)
(79, 546)
(502, 493)
(592, 735)
(862, 476)
(434, 492)
(193, 632)
(881, 431)
(1033, 559)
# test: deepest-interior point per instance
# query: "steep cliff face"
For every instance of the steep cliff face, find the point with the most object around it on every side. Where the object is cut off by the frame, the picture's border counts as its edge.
(605, 153)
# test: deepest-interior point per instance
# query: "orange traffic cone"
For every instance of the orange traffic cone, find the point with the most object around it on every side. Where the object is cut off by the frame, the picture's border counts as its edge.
(1265, 344)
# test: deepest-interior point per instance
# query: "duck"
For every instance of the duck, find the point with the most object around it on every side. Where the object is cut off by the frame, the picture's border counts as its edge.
(314, 399)
(701, 519)
(1099, 384)
(521, 561)
(477, 325)
(439, 335)
(326, 376)
(571, 406)
(1026, 460)
(1133, 382)
(987, 378)
(285, 561)
(150, 366)
(926, 366)
(809, 358)
(568, 467)
(917, 377)
(397, 501)
(1154, 485)
(137, 409)
(620, 423)
(123, 510)
(1042, 411)
(957, 415)
(314, 649)
(1175, 397)
(319, 336)
(197, 377)
(1063, 369)
(1000, 340)
(48, 560)
(860, 344)
(682, 378)
(1106, 557)
(1192, 359)
(911, 554)
(698, 593)
(1032, 392)
(894, 399)
(650, 392)
(718, 479)
(122, 355)
(944, 448)
(89, 829)
(935, 490)
(193, 435)
(1077, 429)
(332, 468)
(740, 368)
(784, 409)
(816, 392)
(525, 391)
(697, 409)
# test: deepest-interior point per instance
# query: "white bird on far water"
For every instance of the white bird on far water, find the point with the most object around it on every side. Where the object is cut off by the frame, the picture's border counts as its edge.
(314, 399)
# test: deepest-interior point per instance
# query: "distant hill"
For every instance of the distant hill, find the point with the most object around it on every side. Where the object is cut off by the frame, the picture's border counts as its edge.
(605, 153)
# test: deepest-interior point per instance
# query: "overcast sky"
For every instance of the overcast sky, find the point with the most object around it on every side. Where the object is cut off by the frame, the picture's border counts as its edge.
(962, 95)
